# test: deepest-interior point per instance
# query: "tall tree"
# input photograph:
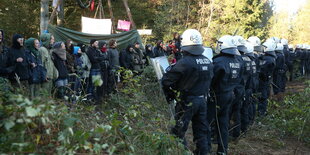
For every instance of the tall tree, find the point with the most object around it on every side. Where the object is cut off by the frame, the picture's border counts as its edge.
(301, 27)
(44, 15)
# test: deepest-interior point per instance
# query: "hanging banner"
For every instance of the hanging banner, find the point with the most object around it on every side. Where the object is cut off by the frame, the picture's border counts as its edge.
(123, 25)
(145, 31)
(96, 26)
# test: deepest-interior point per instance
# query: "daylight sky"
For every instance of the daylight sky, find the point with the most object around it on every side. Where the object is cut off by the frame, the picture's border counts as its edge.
(291, 6)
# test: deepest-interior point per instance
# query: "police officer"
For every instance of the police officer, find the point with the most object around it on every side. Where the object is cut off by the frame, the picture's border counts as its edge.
(288, 61)
(267, 66)
(301, 55)
(246, 80)
(279, 72)
(191, 76)
(227, 75)
(251, 89)
(291, 62)
(304, 58)
(258, 52)
(238, 106)
(307, 63)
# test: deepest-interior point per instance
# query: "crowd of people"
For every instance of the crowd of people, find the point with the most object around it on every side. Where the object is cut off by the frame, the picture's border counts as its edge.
(218, 95)
(73, 70)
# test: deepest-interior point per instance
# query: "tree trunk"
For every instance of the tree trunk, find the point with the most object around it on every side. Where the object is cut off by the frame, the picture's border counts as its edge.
(44, 15)
(61, 14)
(111, 15)
(129, 14)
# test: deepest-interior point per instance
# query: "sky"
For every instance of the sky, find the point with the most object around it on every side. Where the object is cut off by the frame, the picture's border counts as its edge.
(291, 6)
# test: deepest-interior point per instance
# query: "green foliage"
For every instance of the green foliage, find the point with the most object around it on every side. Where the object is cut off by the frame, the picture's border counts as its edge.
(292, 116)
(20, 17)
(135, 120)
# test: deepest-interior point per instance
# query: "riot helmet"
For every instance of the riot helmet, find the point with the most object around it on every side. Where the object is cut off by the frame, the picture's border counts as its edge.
(226, 44)
(191, 42)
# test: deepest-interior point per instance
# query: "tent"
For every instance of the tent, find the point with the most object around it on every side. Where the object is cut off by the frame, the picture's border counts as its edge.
(123, 39)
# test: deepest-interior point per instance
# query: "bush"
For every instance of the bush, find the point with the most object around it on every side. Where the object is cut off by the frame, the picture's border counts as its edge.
(292, 116)
(135, 120)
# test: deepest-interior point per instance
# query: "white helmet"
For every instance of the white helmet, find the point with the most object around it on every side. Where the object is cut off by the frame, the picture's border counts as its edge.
(240, 44)
(269, 45)
(250, 49)
(239, 40)
(290, 46)
(191, 42)
(284, 41)
(304, 46)
(308, 47)
(227, 44)
(249, 46)
(299, 46)
(276, 39)
(256, 42)
(279, 47)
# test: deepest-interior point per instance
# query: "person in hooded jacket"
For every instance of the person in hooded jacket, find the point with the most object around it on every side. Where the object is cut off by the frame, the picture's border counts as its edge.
(149, 52)
(279, 73)
(4, 69)
(177, 40)
(114, 58)
(37, 71)
(191, 77)
(85, 68)
(18, 60)
(105, 66)
(137, 57)
(126, 59)
(78, 63)
(159, 49)
(227, 75)
(47, 41)
(70, 57)
(267, 66)
(59, 58)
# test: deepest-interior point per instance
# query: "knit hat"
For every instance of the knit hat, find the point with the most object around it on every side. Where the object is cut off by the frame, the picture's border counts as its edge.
(92, 41)
(57, 45)
(76, 50)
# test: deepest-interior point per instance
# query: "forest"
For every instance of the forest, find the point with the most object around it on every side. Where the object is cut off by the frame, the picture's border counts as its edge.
(137, 119)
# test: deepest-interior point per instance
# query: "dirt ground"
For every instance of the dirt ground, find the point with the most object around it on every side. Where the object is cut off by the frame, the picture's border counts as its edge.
(261, 140)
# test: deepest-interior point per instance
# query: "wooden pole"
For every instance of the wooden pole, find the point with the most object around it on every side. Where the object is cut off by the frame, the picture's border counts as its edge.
(111, 15)
(44, 15)
(129, 14)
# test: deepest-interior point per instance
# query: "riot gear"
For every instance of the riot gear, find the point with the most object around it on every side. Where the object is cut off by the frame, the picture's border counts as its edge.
(191, 42)
(227, 44)
(191, 77)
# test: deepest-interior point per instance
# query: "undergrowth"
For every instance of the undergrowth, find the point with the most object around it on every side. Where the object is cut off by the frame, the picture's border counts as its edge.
(291, 117)
(135, 120)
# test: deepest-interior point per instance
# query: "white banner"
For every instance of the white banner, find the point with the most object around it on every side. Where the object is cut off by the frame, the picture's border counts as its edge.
(96, 26)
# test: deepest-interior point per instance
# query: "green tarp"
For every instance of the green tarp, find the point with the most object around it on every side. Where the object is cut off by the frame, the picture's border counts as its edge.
(123, 39)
